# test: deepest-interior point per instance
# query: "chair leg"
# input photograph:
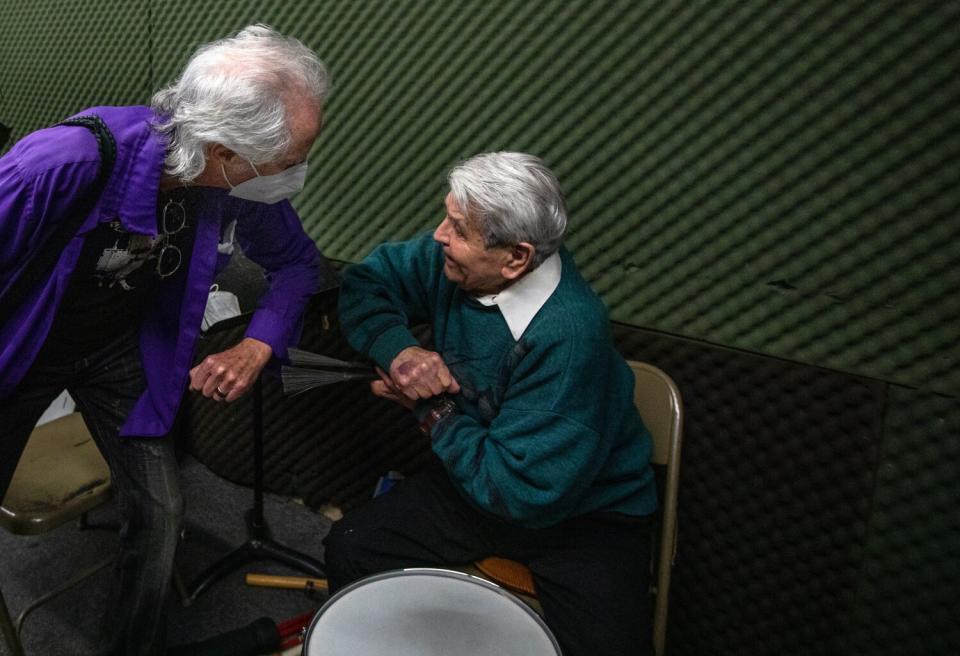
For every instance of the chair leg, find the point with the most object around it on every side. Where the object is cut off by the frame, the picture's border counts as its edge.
(9, 632)
(59, 590)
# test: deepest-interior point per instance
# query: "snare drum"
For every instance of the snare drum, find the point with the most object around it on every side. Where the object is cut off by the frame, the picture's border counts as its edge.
(427, 612)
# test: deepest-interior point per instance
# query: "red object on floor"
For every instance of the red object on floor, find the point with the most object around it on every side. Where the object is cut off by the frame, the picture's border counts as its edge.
(294, 625)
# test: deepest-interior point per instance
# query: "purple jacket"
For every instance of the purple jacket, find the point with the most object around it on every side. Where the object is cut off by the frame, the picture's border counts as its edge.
(47, 171)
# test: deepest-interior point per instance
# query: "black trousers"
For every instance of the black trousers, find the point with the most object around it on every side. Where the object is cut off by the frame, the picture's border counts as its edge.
(592, 573)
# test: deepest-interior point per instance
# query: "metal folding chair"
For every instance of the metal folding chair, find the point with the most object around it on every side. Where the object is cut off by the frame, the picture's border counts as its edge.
(60, 477)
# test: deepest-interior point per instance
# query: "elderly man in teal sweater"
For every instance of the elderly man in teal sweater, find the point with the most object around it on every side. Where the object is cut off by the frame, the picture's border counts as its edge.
(541, 454)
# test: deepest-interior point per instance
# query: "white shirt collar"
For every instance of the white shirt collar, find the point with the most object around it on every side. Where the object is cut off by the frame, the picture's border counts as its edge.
(520, 302)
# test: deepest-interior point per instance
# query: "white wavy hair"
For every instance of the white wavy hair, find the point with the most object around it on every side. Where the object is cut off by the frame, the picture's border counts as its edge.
(511, 198)
(232, 92)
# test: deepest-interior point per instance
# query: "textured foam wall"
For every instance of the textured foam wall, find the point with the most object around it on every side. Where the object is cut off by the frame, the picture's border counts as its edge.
(780, 177)
(57, 58)
(910, 575)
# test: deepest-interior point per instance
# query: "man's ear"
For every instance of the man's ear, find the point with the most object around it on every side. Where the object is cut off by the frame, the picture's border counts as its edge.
(215, 172)
(220, 153)
(519, 261)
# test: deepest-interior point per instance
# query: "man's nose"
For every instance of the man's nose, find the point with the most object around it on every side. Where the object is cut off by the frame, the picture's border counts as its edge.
(440, 234)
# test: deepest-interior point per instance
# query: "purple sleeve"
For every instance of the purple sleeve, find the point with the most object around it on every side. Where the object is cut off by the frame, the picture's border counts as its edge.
(273, 237)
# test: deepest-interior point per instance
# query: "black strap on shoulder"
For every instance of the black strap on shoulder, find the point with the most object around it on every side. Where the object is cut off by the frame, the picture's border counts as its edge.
(41, 264)
(105, 142)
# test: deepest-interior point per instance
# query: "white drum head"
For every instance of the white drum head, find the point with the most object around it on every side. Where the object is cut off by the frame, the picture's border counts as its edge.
(427, 612)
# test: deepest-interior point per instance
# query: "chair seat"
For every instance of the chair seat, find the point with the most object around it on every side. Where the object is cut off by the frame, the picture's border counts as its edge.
(61, 475)
(508, 573)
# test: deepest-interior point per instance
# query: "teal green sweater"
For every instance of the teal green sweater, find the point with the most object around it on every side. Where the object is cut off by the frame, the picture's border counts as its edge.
(546, 428)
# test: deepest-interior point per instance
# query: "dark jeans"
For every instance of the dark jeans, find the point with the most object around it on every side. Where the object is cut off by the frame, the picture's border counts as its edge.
(105, 384)
(592, 573)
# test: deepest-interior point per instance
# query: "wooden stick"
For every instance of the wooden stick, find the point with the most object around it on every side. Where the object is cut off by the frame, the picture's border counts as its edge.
(287, 582)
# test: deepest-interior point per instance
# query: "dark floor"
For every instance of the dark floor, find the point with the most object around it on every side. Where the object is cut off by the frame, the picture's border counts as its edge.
(68, 625)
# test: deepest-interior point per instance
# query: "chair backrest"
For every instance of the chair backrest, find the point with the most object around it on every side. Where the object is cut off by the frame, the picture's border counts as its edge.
(658, 401)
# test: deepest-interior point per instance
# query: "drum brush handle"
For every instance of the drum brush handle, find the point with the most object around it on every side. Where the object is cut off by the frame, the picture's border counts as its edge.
(287, 582)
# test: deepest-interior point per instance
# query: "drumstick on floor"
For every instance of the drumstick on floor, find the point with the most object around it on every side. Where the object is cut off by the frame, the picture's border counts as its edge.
(287, 582)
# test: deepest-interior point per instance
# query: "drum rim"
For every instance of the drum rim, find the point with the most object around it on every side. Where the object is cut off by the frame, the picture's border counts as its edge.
(436, 571)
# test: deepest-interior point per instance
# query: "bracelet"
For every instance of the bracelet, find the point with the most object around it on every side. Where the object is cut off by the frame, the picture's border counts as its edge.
(438, 411)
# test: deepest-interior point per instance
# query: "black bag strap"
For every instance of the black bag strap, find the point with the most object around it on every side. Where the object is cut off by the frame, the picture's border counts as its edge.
(42, 263)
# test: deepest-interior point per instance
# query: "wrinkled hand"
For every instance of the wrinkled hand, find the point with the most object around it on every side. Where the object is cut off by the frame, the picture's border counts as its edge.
(226, 376)
(384, 388)
(417, 373)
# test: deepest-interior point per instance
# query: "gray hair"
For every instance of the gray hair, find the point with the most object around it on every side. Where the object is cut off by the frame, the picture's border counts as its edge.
(511, 198)
(233, 92)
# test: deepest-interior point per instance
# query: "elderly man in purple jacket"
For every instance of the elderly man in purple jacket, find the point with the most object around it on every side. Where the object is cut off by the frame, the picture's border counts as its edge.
(116, 319)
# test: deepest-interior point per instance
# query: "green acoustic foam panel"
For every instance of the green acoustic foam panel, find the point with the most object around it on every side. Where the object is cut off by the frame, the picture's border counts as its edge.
(780, 177)
(776, 480)
(777, 177)
(911, 570)
(60, 57)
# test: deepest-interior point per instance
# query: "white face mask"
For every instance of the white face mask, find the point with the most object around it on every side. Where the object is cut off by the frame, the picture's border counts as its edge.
(269, 188)
(221, 305)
